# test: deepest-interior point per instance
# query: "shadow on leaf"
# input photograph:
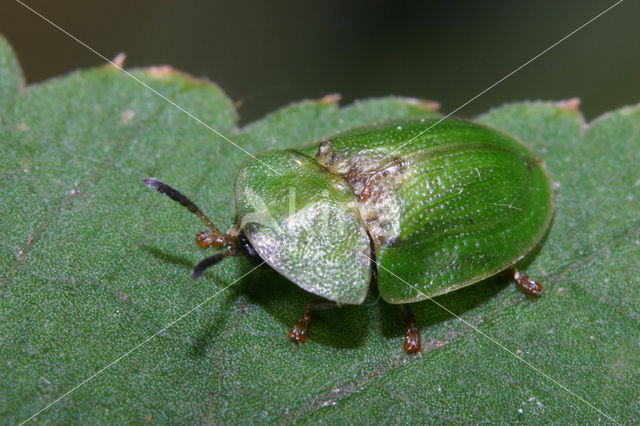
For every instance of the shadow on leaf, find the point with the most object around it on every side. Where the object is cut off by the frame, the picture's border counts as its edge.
(284, 301)
(168, 258)
(428, 314)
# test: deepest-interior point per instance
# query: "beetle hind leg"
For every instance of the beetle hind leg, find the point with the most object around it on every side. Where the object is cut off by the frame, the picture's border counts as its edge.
(298, 333)
(411, 333)
(531, 287)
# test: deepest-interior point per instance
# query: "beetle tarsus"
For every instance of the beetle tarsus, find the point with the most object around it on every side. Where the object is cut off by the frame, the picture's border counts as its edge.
(412, 339)
(531, 287)
(412, 343)
(298, 333)
(205, 239)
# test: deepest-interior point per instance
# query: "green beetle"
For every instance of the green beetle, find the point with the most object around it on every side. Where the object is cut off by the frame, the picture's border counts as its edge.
(420, 212)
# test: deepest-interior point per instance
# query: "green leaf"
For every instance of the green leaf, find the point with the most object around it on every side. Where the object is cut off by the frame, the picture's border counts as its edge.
(94, 273)
(11, 79)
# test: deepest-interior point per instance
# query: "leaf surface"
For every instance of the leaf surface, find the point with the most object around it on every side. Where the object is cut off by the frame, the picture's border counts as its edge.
(94, 273)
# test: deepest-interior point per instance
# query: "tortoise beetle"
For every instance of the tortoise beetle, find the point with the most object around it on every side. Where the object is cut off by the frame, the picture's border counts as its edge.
(393, 203)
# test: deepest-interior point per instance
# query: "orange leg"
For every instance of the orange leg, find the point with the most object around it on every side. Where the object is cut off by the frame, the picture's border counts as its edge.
(298, 333)
(531, 287)
(412, 333)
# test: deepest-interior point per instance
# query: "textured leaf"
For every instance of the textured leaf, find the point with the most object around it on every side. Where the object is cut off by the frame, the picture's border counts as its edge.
(11, 80)
(92, 264)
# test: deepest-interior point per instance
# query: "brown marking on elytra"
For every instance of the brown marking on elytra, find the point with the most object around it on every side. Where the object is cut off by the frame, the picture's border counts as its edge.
(365, 183)
(373, 184)
(366, 192)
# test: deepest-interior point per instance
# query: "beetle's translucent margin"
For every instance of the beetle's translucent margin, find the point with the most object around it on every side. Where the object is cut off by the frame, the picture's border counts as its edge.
(541, 235)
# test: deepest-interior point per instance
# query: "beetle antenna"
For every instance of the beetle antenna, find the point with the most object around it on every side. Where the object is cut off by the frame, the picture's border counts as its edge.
(175, 195)
(206, 263)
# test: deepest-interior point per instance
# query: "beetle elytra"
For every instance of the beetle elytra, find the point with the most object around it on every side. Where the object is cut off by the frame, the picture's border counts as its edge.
(457, 204)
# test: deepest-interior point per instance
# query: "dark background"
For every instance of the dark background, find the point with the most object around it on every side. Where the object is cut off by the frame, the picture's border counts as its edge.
(269, 54)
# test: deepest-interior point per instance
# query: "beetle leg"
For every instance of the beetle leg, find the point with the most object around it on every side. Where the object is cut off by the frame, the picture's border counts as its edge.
(531, 287)
(205, 238)
(298, 333)
(412, 333)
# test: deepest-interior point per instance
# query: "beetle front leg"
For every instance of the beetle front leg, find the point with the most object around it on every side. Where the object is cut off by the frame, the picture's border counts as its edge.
(298, 333)
(412, 333)
(531, 287)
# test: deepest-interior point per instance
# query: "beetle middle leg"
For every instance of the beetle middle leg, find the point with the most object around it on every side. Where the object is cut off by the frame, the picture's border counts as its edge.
(298, 333)
(411, 333)
(530, 286)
